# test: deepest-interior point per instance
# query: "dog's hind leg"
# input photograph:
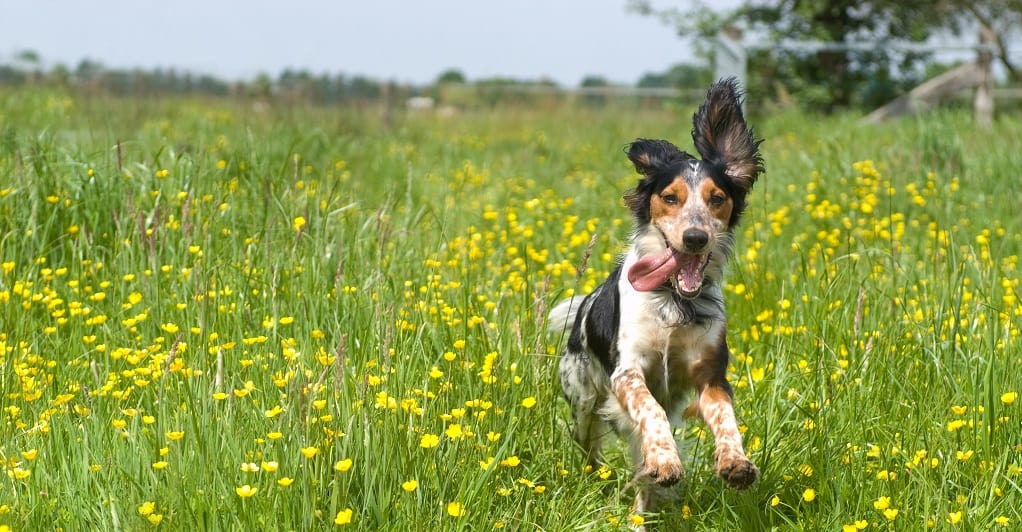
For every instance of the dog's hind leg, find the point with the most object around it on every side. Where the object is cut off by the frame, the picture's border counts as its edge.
(585, 397)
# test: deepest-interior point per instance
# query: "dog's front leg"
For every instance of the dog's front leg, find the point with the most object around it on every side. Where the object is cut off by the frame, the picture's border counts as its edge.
(717, 410)
(653, 436)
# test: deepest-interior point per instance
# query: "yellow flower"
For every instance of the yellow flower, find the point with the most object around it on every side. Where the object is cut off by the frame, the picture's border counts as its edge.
(1002, 520)
(275, 435)
(858, 525)
(30, 454)
(285, 481)
(160, 465)
(269, 466)
(298, 223)
(455, 509)
(454, 432)
(343, 465)
(175, 435)
(775, 500)
(410, 485)
(428, 441)
(636, 519)
(147, 508)
(891, 513)
(511, 461)
(1009, 397)
(249, 467)
(170, 328)
(886, 475)
(310, 451)
(954, 518)
(809, 495)
(343, 517)
(882, 503)
(245, 491)
(529, 402)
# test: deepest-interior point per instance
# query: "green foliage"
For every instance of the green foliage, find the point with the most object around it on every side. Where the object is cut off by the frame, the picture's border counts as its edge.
(217, 317)
(830, 79)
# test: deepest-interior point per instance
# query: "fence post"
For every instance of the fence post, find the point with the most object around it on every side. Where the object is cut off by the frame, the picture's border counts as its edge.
(729, 58)
(983, 106)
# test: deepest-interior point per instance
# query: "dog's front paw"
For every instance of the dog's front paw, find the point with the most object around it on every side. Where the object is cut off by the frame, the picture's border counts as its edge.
(737, 471)
(663, 467)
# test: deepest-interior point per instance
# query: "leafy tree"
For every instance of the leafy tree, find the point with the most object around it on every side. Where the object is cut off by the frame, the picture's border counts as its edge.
(451, 76)
(594, 82)
(827, 78)
(680, 75)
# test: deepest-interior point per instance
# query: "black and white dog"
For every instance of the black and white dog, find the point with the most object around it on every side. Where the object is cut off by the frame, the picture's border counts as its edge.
(655, 329)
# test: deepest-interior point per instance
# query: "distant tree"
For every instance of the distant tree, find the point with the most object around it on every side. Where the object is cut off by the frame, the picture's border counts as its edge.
(29, 60)
(452, 76)
(680, 75)
(30, 57)
(594, 82)
(832, 79)
(363, 88)
(261, 87)
(11, 76)
(1004, 17)
(59, 75)
(88, 70)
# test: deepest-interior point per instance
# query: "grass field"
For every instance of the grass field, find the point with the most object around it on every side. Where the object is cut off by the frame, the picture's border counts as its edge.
(218, 319)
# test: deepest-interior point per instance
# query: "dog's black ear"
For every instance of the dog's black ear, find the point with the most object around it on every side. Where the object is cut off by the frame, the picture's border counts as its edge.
(721, 136)
(650, 156)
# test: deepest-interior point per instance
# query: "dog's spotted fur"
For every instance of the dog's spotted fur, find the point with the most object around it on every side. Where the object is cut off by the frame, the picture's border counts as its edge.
(634, 354)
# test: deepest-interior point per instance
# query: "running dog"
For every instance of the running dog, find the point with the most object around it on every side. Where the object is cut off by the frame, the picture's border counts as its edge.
(655, 329)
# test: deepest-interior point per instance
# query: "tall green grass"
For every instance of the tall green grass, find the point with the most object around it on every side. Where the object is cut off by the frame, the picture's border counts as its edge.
(217, 317)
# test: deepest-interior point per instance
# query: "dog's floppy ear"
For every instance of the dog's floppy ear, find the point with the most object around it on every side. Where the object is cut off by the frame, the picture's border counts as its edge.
(650, 156)
(652, 159)
(721, 136)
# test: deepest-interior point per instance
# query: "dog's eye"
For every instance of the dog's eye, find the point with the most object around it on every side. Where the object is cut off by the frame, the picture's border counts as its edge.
(670, 199)
(717, 200)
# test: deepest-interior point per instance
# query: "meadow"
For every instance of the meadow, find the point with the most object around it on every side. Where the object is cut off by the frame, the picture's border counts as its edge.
(218, 318)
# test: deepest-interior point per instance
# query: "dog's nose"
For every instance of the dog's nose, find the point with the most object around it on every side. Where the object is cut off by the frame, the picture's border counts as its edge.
(695, 239)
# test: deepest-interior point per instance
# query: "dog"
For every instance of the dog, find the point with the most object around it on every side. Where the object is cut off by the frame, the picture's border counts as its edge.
(655, 330)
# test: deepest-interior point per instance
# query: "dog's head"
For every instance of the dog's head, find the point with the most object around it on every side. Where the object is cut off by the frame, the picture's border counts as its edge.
(695, 204)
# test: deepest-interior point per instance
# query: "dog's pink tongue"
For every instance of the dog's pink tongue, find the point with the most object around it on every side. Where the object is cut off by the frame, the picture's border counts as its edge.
(652, 271)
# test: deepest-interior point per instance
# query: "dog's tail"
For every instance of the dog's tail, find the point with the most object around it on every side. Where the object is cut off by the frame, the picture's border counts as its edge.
(562, 317)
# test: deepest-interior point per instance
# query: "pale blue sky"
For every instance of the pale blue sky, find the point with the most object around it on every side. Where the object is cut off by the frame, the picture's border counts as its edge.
(402, 40)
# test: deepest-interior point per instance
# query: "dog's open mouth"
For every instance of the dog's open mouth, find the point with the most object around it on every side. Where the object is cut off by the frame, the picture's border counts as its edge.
(684, 271)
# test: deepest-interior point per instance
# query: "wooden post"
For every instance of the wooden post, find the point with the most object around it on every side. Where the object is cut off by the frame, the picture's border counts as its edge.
(983, 106)
(730, 56)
